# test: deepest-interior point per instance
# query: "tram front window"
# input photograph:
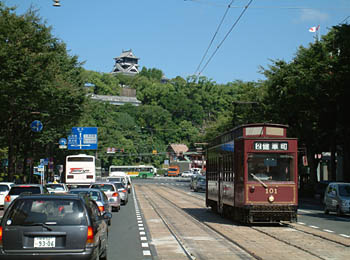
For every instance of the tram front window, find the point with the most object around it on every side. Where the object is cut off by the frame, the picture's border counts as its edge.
(271, 167)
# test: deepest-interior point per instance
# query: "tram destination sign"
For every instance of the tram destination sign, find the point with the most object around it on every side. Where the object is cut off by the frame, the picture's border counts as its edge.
(271, 146)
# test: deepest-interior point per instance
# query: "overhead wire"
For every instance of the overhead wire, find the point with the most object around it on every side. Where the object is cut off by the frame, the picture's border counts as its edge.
(212, 40)
(227, 34)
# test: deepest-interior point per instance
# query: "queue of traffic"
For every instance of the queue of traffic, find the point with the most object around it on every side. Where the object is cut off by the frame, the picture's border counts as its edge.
(56, 220)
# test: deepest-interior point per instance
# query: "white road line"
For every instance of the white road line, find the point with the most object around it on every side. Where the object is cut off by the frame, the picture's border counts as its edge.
(146, 253)
(141, 228)
(343, 235)
(142, 233)
(143, 238)
(139, 221)
(304, 211)
(140, 225)
(329, 231)
(144, 245)
(314, 227)
(301, 223)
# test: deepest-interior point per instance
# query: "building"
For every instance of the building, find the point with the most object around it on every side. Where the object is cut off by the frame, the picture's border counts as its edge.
(126, 63)
(116, 100)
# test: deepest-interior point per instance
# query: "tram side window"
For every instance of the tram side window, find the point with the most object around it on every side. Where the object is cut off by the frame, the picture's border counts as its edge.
(270, 167)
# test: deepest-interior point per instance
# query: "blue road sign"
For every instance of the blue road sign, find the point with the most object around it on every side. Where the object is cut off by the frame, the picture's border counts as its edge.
(83, 138)
(63, 141)
(36, 126)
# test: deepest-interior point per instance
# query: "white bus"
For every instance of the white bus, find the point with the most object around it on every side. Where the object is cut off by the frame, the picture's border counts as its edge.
(140, 171)
(80, 169)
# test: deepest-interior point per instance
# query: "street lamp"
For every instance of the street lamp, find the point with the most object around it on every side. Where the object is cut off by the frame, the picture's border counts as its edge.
(56, 3)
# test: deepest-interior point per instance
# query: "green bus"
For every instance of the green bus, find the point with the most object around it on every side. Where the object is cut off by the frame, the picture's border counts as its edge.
(136, 171)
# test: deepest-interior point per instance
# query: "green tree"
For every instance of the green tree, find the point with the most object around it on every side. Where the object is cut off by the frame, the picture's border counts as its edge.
(38, 80)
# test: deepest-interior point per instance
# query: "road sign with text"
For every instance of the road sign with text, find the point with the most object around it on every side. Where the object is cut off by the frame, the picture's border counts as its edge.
(83, 138)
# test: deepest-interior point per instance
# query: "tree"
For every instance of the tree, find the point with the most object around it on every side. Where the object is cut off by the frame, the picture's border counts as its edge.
(38, 79)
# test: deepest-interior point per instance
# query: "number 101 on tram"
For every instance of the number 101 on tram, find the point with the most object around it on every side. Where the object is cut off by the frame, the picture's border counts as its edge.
(252, 174)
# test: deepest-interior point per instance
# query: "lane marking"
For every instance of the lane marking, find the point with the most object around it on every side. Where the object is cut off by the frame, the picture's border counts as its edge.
(301, 223)
(314, 227)
(329, 231)
(146, 253)
(343, 235)
(144, 245)
(143, 238)
(304, 211)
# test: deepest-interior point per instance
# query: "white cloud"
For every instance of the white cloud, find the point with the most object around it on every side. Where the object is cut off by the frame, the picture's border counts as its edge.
(313, 15)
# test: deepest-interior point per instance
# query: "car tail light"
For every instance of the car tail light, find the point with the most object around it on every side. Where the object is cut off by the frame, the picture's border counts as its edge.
(115, 194)
(101, 208)
(124, 190)
(89, 176)
(90, 235)
(7, 198)
(0, 235)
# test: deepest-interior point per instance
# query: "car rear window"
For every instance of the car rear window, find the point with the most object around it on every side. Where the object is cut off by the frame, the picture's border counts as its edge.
(56, 187)
(19, 190)
(4, 188)
(46, 211)
(104, 187)
(95, 195)
(119, 185)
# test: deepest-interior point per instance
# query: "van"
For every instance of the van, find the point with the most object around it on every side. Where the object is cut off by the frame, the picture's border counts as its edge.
(120, 177)
(173, 171)
(337, 198)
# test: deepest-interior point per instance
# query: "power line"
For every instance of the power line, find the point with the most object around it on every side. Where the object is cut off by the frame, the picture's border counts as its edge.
(346, 19)
(233, 26)
(211, 42)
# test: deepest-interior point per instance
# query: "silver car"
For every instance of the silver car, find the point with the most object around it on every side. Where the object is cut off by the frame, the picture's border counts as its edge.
(337, 198)
(114, 196)
(123, 191)
(17, 190)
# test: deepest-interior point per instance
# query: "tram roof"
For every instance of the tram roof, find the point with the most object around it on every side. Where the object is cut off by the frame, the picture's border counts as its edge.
(258, 130)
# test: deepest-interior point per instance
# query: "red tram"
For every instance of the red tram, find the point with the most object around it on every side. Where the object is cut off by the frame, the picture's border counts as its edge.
(252, 174)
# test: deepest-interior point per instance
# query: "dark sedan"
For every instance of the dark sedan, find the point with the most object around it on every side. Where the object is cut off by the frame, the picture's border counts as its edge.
(53, 227)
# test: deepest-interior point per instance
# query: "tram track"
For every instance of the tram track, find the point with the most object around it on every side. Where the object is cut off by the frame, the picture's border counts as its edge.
(286, 234)
(191, 252)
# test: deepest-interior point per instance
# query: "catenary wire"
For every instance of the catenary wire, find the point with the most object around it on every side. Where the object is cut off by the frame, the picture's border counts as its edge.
(212, 40)
(233, 26)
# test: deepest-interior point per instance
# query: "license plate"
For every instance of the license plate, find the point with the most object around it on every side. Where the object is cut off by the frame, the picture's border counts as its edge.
(44, 241)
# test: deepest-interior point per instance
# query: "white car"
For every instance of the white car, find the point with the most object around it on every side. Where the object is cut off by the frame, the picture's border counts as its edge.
(187, 174)
(4, 190)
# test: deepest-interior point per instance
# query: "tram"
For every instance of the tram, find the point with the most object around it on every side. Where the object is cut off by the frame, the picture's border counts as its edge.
(252, 174)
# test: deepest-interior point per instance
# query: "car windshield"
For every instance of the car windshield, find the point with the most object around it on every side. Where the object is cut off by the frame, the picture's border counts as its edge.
(344, 190)
(270, 166)
(47, 211)
(22, 189)
(95, 195)
(104, 187)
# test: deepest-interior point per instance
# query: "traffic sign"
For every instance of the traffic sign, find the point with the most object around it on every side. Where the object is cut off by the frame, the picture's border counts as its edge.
(36, 126)
(83, 138)
(62, 143)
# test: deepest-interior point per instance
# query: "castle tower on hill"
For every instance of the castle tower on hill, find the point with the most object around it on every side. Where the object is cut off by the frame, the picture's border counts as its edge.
(126, 63)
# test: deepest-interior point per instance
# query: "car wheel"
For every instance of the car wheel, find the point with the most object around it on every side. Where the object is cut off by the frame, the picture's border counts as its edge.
(326, 211)
(339, 212)
(117, 208)
(104, 255)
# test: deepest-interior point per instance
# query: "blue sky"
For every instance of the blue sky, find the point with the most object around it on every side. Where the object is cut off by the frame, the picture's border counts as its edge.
(173, 35)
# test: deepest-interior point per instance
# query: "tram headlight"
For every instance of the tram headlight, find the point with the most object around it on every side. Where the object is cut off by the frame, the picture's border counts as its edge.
(271, 198)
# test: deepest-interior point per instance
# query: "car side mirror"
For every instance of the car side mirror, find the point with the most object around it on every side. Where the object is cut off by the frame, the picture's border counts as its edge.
(107, 215)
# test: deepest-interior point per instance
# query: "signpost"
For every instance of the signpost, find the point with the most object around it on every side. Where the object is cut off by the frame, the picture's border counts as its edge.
(62, 143)
(36, 126)
(83, 138)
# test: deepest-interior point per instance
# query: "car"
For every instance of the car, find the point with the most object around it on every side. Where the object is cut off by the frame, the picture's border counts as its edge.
(337, 198)
(17, 190)
(4, 190)
(186, 174)
(57, 187)
(122, 191)
(114, 196)
(98, 196)
(193, 178)
(199, 184)
(54, 226)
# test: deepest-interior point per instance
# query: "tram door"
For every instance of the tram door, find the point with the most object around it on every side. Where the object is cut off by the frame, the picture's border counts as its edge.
(221, 187)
